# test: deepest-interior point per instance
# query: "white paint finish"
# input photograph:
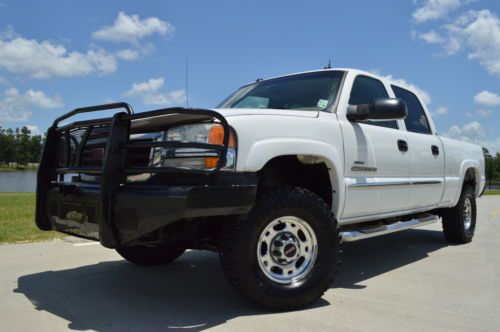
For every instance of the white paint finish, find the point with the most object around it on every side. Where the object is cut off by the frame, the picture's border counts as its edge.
(376, 147)
(262, 137)
(227, 112)
(459, 157)
(362, 201)
(265, 134)
(425, 167)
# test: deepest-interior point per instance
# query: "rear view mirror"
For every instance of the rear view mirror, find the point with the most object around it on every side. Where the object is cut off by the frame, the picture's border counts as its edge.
(378, 109)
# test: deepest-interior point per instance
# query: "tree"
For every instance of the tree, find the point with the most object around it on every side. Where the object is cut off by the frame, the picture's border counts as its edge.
(491, 167)
(36, 148)
(10, 146)
(24, 146)
(19, 146)
(2, 145)
(497, 165)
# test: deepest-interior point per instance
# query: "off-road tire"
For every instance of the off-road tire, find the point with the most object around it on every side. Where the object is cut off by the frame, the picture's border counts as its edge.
(240, 238)
(150, 255)
(454, 228)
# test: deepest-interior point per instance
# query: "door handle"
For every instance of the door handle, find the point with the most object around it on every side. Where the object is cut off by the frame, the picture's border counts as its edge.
(435, 150)
(402, 145)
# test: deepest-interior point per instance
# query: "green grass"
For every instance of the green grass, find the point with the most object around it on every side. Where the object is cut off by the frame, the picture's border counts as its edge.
(491, 192)
(17, 219)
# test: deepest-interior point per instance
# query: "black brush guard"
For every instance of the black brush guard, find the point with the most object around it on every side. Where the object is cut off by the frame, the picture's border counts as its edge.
(117, 212)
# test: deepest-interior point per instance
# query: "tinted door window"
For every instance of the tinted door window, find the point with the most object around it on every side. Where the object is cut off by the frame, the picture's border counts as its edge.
(364, 90)
(416, 121)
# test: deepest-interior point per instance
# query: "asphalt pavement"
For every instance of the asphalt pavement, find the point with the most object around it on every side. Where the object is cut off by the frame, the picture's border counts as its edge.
(408, 281)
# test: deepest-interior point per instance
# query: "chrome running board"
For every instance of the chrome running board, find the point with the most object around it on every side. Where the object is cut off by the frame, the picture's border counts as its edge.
(373, 231)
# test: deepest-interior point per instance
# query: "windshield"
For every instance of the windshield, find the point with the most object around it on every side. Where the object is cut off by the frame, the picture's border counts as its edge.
(310, 92)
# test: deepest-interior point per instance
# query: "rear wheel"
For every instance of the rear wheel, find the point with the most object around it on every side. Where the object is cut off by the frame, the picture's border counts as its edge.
(459, 222)
(151, 255)
(284, 254)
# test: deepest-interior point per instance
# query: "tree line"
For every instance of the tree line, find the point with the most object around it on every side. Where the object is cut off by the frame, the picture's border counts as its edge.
(19, 147)
(492, 165)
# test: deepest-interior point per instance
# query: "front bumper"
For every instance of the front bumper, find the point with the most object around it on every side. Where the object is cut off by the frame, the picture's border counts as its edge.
(114, 208)
(138, 210)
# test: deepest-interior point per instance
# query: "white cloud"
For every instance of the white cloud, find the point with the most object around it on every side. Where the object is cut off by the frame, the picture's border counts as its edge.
(435, 9)
(475, 32)
(431, 37)
(130, 28)
(478, 33)
(34, 130)
(175, 97)
(45, 59)
(150, 94)
(14, 106)
(441, 110)
(473, 132)
(484, 112)
(131, 54)
(487, 98)
(151, 85)
(424, 96)
(128, 54)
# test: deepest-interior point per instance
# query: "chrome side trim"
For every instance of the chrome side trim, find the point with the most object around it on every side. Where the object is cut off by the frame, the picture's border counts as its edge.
(426, 182)
(374, 185)
(378, 184)
(366, 233)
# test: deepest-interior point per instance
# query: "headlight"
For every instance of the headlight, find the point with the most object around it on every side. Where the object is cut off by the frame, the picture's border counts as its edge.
(195, 158)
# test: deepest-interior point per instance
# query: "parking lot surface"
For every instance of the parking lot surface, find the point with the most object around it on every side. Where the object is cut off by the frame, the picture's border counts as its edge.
(411, 281)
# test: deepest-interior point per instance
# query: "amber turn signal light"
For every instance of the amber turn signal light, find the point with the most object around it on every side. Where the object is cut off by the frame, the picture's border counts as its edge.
(216, 136)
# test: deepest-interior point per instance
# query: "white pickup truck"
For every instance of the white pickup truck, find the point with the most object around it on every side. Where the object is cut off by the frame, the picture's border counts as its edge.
(274, 179)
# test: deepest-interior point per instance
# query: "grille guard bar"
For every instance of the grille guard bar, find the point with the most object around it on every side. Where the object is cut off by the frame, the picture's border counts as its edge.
(114, 170)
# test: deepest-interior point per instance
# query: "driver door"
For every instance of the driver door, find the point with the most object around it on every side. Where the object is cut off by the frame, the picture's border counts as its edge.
(377, 164)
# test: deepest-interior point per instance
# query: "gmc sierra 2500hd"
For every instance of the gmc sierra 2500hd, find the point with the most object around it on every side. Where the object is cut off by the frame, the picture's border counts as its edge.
(273, 179)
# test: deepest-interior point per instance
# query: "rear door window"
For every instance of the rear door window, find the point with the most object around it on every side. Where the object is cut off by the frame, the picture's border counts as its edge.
(416, 121)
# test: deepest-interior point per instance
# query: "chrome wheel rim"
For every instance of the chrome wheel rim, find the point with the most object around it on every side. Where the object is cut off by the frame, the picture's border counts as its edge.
(287, 250)
(467, 213)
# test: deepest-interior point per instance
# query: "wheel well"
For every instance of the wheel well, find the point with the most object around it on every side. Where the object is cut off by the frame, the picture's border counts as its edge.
(470, 178)
(289, 171)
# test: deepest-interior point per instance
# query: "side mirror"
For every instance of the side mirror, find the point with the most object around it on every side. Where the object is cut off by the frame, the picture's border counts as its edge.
(378, 109)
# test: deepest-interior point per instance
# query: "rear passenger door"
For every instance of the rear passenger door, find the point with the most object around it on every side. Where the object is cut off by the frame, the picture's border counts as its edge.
(426, 154)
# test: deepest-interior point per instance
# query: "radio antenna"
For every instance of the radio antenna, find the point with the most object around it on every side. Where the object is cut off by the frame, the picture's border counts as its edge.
(329, 66)
(187, 91)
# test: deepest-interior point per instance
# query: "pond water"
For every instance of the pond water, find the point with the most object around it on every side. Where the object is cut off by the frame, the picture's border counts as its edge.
(17, 181)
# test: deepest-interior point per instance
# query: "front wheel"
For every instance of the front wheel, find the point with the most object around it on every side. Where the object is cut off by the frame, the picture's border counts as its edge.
(459, 222)
(151, 255)
(284, 254)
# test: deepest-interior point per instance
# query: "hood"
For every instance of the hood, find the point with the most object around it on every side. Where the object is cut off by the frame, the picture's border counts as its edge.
(265, 111)
(160, 121)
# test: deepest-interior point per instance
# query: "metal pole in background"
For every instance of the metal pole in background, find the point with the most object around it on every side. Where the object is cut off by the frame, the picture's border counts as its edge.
(187, 91)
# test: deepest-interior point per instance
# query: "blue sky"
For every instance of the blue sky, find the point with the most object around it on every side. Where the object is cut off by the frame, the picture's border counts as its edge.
(58, 55)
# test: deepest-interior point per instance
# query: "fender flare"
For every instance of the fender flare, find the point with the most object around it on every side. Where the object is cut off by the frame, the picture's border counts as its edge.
(464, 167)
(262, 151)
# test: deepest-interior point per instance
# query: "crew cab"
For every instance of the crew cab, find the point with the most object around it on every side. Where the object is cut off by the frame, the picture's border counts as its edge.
(273, 179)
